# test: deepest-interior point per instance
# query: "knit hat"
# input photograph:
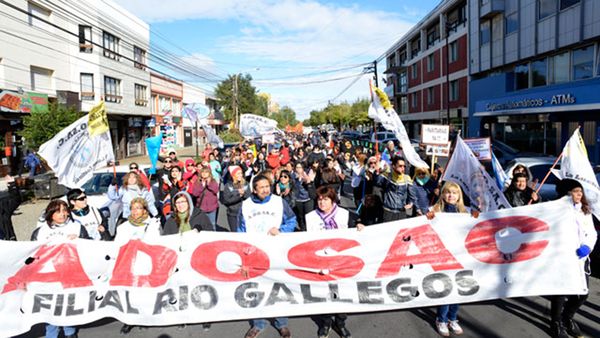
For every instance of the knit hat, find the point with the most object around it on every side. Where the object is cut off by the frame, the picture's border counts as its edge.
(564, 186)
(189, 161)
(234, 169)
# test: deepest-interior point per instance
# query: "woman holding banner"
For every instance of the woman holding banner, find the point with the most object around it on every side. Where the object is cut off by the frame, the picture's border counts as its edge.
(451, 200)
(58, 224)
(563, 308)
(329, 216)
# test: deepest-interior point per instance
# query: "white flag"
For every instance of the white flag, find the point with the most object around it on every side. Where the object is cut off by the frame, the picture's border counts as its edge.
(73, 154)
(465, 170)
(211, 136)
(381, 111)
(256, 126)
(575, 165)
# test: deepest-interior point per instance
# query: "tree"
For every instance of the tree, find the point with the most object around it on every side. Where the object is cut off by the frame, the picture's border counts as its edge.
(40, 127)
(262, 104)
(285, 116)
(246, 95)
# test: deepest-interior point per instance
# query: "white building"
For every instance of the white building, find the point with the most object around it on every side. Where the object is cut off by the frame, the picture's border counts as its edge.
(78, 52)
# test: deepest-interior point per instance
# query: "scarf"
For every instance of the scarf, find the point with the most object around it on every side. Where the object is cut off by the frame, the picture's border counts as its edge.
(135, 188)
(423, 181)
(183, 224)
(139, 221)
(81, 212)
(283, 186)
(450, 208)
(397, 178)
(329, 219)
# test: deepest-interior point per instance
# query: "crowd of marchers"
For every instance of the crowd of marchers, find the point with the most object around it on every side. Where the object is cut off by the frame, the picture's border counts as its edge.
(295, 185)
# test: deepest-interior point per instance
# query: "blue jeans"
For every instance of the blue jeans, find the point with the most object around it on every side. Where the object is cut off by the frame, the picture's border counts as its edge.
(53, 331)
(212, 216)
(261, 324)
(447, 312)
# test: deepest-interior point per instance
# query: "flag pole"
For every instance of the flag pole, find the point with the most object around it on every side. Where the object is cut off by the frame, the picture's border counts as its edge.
(115, 175)
(537, 190)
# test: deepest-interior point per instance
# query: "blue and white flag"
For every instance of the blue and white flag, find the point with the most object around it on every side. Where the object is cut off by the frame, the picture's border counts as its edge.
(499, 174)
(212, 137)
(256, 126)
(195, 112)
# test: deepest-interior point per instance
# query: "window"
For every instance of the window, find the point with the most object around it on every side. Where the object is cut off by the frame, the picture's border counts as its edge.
(414, 69)
(521, 76)
(583, 63)
(546, 8)
(539, 70)
(484, 33)
(433, 36)
(511, 23)
(430, 95)
(559, 68)
(139, 57)
(140, 95)
(41, 13)
(430, 63)
(403, 105)
(403, 82)
(111, 46)
(564, 4)
(402, 57)
(85, 39)
(413, 98)
(415, 47)
(453, 51)
(41, 79)
(453, 90)
(112, 90)
(87, 86)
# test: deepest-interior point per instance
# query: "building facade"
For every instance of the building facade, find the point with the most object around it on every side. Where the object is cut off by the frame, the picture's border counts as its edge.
(535, 68)
(167, 104)
(424, 84)
(78, 53)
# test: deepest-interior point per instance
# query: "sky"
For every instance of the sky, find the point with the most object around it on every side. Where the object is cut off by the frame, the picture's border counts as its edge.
(304, 53)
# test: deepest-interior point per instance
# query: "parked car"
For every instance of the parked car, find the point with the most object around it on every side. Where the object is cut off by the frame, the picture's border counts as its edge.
(383, 137)
(350, 135)
(539, 167)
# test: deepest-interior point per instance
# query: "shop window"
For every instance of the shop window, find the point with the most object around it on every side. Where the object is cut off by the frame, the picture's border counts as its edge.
(564, 4)
(583, 63)
(546, 8)
(559, 68)
(521, 77)
(539, 69)
(484, 33)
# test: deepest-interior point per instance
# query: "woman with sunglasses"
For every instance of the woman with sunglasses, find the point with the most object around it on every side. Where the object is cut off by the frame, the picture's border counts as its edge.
(206, 190)
(171, 186)
(91, 218)
(330, 216)
(136, 168)
(234, 193)
(285, 188)
(132, 188)
(58, 224)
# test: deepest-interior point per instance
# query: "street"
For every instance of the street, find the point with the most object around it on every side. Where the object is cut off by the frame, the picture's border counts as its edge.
(519, 317)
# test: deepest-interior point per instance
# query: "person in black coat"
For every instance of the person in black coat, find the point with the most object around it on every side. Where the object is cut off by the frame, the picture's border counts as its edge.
(185, 217)
(233, 194)
(518, 193)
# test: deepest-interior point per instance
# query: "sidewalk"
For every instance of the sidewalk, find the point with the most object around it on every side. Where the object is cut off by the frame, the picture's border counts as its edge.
(182, 154)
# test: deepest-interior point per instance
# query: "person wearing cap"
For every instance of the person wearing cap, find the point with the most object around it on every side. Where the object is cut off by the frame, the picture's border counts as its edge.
(190, 170)
(564, 307)
(398, 191)
(268, 214)
(233, 194)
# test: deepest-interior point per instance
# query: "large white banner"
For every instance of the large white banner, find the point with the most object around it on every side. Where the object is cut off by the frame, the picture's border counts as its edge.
(255, 126)
(73, 154)
(212, 276)
(465, 170)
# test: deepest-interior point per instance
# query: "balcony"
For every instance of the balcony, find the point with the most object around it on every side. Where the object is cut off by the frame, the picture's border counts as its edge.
(490, 8)
(394, 69)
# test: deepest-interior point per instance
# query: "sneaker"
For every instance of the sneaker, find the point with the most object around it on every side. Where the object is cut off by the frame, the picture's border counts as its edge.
(206, 326)
(342, 331)
(284, 332)
(323, 331)
(572, 328)
(125, 329)
(180, 327)
(453, 325)
(253, 332)
(442, 329)
(557, 330)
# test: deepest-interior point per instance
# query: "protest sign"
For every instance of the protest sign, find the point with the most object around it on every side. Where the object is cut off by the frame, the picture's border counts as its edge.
(435, 134)
(212, 276)
(480, 147)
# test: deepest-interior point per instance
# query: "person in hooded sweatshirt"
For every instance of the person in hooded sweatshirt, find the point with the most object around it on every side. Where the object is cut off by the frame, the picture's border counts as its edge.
(59, 225)
(519, 193)
(89, 216)
(185, 217)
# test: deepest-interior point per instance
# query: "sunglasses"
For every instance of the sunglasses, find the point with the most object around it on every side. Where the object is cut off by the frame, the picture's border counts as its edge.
(80, 198)
(133, 168)
(284, 176)
(191, 165)
(168, 161)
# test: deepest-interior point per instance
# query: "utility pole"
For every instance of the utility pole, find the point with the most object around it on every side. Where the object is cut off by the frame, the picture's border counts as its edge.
(235, 101)
(375, 71)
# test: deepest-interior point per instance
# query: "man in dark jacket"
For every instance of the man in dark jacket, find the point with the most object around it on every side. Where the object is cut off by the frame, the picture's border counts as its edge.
(398, 191)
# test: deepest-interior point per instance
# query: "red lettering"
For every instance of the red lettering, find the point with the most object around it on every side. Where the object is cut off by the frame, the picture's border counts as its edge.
(432, 251)
(255, 262)
(481, 241)
(163, 262)
(339, 267)
(67, 269)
